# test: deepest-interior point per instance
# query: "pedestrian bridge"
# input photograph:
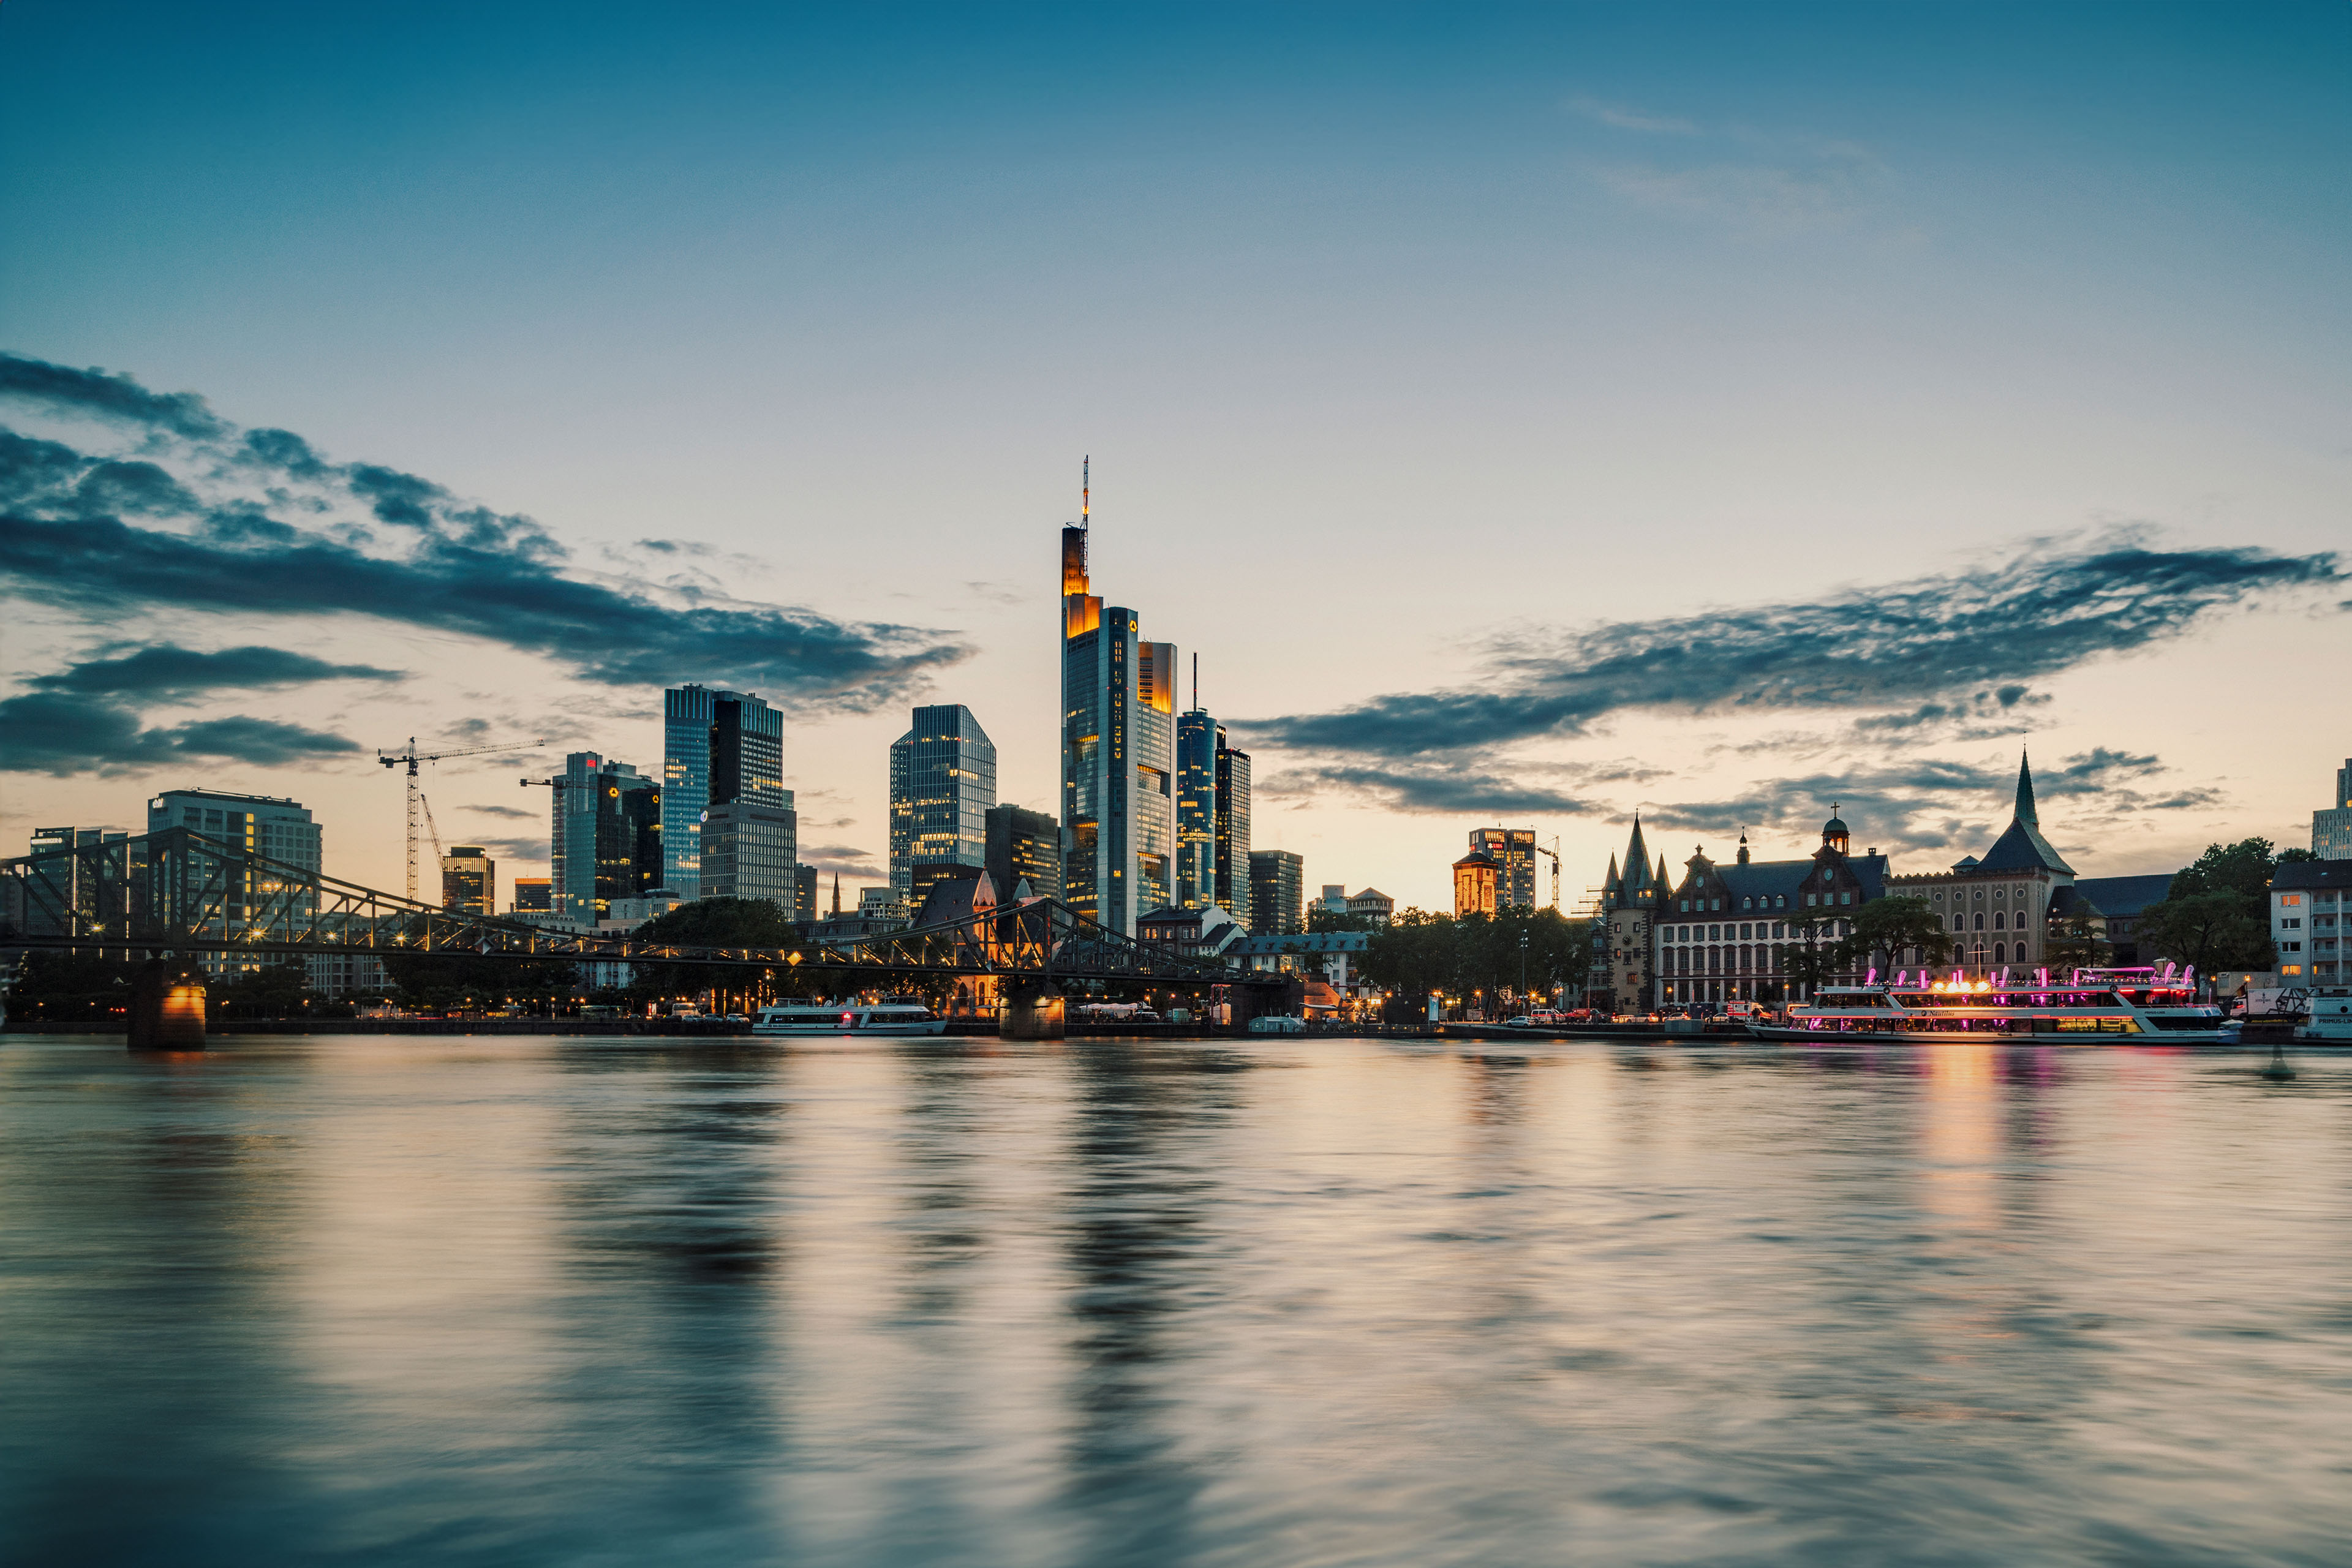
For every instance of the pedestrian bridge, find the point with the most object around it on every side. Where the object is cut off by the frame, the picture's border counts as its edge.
(177, 894)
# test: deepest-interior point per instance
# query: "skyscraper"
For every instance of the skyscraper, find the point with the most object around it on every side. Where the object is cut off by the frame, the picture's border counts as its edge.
(1513, 850)
(607, 842)
(1119, 703)
(1196, 810)
(1277, 892)
(469, 880)
(750, 834)
(756, 734)
(269, 826)
(1024, 846)
(942, 783)
(2331, 831)
(1233, 848)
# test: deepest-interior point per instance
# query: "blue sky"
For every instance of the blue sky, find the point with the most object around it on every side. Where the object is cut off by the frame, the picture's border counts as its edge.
(1417, 350)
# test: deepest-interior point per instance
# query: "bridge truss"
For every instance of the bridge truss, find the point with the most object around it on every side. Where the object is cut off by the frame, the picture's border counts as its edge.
(177, 893)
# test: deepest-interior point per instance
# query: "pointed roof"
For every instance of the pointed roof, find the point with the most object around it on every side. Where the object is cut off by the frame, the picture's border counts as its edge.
(2022, 847)
(1615, 884)
(1637, 856)
(1660, 880)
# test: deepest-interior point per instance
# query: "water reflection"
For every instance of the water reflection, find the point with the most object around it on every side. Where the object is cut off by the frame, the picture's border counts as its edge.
(536, 1301)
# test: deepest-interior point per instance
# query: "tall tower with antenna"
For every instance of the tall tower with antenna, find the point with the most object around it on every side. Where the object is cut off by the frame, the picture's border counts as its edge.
(1119, 703)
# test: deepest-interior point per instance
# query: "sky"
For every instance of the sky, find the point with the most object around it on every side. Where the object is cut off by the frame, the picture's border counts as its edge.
(1528, 416)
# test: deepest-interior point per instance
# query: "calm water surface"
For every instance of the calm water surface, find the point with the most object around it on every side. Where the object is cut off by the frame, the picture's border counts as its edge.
(525, 1301)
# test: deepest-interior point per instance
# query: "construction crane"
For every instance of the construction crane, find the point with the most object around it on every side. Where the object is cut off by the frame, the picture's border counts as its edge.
(412, 757)
(1554, 853)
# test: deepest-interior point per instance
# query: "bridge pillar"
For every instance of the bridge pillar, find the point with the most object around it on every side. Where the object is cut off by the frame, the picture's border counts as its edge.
(167, 1007)
(1030, 1013)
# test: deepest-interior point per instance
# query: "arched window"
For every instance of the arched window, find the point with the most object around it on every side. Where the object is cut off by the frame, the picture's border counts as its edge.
(1999, 954)
(1980, 919)
(2001, 919)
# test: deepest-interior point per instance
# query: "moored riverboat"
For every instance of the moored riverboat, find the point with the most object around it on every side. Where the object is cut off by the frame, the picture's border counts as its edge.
(885, 1019)
(2091, 1006)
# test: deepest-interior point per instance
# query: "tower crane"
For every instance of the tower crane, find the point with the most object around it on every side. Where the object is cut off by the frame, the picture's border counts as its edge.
(411, 758)
(1554, 853)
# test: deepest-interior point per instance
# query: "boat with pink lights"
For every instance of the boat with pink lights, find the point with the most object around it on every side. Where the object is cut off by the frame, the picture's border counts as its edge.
(2143, 1006)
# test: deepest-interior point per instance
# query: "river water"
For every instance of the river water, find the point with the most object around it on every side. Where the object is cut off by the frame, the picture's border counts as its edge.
(579, 1301)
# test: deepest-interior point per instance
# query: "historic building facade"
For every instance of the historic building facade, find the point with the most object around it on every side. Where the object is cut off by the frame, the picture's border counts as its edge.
(1721, 934)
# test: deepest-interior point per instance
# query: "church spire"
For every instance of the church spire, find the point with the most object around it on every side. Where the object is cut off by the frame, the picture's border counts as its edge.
(2025, 812)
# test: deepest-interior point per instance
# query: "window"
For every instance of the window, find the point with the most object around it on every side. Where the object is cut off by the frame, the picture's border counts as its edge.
(1745, 931)
(1980, 921)
(1781, 902)
(1714, 934)
(1809, 899)
(1999, 954)
(2291, 923)
(2290, 900)
(1845, 898)
(2290, 947)
(2001, 919)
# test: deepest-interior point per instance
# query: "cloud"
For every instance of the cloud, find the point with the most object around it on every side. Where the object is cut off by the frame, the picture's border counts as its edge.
(515, 813)
(63, 733)
(1934, 639)
(1425, 790)
(1931, 803)
(1623, 118)
(115, 538)
(507, 851)
(845, 859)
(110, 395)
(167, 671)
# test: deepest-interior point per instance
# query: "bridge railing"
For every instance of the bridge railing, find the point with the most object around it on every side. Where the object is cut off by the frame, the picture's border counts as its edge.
(177, 890)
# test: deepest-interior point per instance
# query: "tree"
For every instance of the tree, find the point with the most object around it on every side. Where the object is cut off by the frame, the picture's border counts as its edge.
(2232, 930)
(2078, 940)
(2210, 929)
(1884, 928)
(275, 990)
(1414, 954)
(1320, 919)
(723, 922)
(1815, 956)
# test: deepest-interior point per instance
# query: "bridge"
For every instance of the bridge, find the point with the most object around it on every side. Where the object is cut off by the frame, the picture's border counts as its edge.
(185, 901)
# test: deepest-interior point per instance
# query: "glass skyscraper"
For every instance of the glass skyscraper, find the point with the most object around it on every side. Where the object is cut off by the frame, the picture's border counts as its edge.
(1196, 810)
(607, 842)
(1233, 812)
(750, 834)
(1118, 704)
(688, 713)
(942, 784)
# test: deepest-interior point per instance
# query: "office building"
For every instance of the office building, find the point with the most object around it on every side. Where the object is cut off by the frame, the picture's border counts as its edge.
(532, 897)
(1232, 816)
(703, 726)
(1371, 904)
(1024, 849)
(332, 976)
(803, 894)
(2311, 904)
(750, 834)
(2331, 831)
(1513, 850)
(75, 895)
(1196, 810)
(942, 783)
(270, 826)
(608, 839)
(469, 880)
(1277, 892)
(1118, 705)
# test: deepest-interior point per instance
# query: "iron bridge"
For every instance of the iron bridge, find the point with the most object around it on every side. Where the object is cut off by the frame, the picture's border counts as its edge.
(175, 892)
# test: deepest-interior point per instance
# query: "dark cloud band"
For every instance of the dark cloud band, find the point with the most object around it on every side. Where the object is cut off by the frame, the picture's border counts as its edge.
(1910, 643)
(212, 538)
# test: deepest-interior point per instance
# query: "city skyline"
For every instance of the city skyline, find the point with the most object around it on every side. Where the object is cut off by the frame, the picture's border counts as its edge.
(1533, 531)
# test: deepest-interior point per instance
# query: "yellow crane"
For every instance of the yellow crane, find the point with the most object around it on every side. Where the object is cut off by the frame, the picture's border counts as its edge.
(412, 757)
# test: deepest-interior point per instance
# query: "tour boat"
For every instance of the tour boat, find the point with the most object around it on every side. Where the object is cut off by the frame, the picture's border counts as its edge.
(848, 1019)
(2090, 1006)
(2327, 1017)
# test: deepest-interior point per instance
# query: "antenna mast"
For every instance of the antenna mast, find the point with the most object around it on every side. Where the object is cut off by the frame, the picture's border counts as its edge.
(1085, 489)
(1196, 683)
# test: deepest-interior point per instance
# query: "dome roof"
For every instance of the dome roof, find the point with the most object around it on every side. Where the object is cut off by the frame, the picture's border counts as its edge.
(1835, 825)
